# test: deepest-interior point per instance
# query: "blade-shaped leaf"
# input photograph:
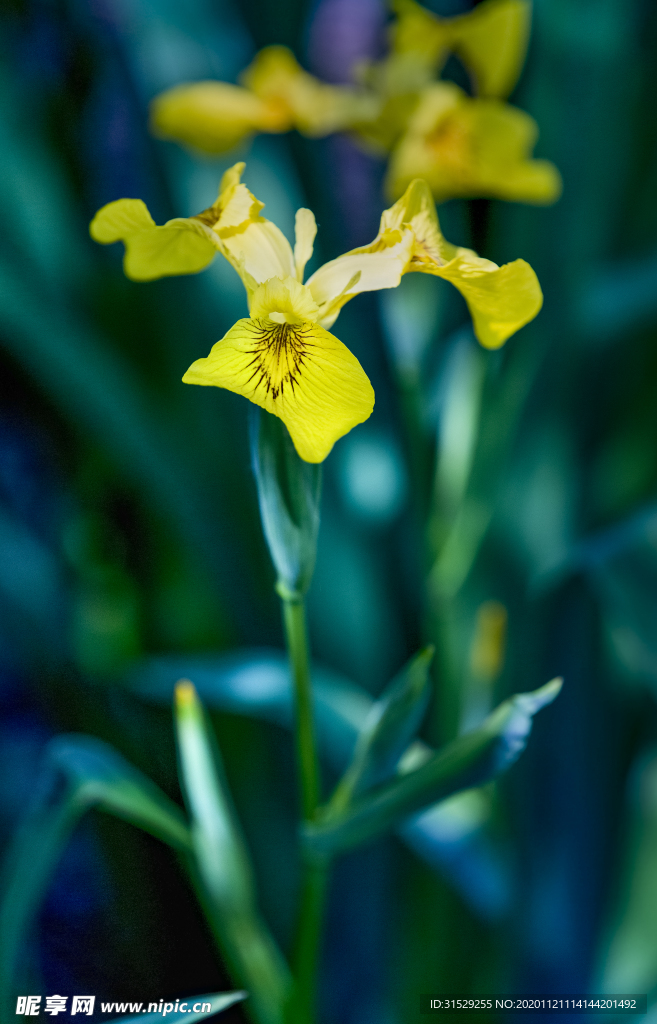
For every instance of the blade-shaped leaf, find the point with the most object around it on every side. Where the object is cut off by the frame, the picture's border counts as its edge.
(79, 773)
(469, 761)
(390, 726)
(223, 863)
(214, 1003)
(256, 682)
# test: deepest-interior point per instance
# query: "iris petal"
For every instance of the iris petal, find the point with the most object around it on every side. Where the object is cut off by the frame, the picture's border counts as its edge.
(300, 373)
(501, 300)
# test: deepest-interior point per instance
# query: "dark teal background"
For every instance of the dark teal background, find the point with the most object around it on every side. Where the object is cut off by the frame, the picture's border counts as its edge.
(128, 514)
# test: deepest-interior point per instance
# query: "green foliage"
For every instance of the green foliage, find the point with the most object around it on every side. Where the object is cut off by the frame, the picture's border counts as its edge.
(469, 761)
(391, 724)
(223, 864)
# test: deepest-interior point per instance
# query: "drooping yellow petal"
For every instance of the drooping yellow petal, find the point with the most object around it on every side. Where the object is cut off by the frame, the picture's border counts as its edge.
(315, 108)
(299, 372)
(501, 300)
(492, 42)
(305, 229)
(214, 116)
(118, 219)
(181, 246)
(379, 265)
(470, 147)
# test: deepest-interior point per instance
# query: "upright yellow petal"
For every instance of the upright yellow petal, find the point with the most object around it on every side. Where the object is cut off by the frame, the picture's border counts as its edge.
(299, 372)
(305, 229)
(417, 209)
(492, 42)
(254, 246)
(258, 250)
(181, 246)
(214, 116)
(420, 35)
(231, 177)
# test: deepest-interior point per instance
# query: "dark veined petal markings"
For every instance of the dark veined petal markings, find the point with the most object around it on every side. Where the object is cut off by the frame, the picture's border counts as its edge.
(279, 354)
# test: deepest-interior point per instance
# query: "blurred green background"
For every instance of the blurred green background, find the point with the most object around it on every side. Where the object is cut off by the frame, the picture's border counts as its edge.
(129, 525)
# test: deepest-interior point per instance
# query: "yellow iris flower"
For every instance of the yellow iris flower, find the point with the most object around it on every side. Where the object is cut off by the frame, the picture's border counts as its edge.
(471, 147)
(276, 95)
(282, 356)
(462, 146)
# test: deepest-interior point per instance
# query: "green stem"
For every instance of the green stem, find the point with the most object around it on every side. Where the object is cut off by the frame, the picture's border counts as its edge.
(294, 616)
(309, 934)
(313, 883)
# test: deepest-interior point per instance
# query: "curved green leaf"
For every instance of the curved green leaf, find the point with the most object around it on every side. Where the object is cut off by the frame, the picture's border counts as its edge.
(391, 724)
(471, 760)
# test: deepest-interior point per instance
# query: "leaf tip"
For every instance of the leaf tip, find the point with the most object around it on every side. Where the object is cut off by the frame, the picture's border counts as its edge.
(546, 694)
(186, 696)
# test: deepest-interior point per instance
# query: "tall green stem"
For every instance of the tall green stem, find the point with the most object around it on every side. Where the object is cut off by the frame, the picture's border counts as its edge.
(294, 616)
(308, 942)
(313, 883)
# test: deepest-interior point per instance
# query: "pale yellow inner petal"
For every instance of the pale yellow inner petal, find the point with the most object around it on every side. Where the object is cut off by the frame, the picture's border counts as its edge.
(305, 229)
(285, 301)
(364, 270)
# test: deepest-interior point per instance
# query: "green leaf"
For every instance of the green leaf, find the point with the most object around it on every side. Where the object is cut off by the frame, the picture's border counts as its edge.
(289, 492)
(256, 682)
(80, 772)
(471, 760)
(390, 726)
(217, 1002)
(221, 856)
(630, 957)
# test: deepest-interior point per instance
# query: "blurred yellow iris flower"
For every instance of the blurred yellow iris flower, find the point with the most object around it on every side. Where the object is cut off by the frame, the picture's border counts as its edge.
(276, 95)
(462, 146)
(282, 356)
(471, 147)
